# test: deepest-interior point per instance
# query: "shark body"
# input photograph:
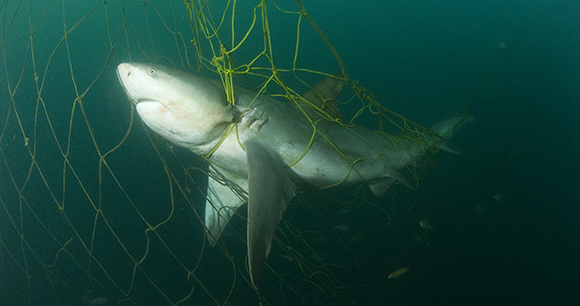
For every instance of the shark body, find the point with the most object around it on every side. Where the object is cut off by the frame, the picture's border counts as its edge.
(261, 151)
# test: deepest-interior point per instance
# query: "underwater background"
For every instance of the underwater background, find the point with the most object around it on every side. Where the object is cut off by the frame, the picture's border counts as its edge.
(505, 213)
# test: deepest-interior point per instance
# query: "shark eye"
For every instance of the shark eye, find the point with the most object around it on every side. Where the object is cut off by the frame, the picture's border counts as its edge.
(151, 71)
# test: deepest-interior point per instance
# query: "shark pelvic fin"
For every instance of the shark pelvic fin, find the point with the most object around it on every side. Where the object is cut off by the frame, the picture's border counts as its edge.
(270, 190)
(445, 147)
(221, 204)
(379, 187)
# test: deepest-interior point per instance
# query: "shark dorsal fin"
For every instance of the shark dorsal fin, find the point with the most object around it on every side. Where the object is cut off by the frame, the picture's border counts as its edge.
(322, 96)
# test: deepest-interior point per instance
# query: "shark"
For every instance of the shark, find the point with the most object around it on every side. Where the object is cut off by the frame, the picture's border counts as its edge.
(262, 151)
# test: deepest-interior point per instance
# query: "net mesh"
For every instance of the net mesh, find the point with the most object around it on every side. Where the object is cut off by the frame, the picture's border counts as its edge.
(95, 208)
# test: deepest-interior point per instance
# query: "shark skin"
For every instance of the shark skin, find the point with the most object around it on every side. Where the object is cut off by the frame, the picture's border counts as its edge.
(261, 151)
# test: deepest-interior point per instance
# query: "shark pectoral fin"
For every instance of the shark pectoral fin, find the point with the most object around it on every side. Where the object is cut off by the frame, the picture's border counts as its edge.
(220, 205)
(270, 190)
(379, 187)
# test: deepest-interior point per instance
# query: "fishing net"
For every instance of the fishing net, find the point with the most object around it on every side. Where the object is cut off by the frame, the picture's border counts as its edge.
(95, 208)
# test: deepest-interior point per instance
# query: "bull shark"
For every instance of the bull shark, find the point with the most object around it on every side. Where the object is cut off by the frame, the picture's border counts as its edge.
(261, 151)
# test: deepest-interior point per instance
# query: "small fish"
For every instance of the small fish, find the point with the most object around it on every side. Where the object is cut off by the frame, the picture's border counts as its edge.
(343, 211)
(353, 239)
(317, 258)
(320, 239)
(399, 272)
(342, 227)
(425, 224)
(500, 198)
(480, 208)
(98, 301)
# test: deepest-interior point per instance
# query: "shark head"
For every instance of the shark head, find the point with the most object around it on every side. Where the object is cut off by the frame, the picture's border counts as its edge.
(184, 108)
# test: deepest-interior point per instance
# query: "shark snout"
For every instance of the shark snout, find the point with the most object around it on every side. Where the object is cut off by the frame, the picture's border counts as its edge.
(124, 70)
(123, 73)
